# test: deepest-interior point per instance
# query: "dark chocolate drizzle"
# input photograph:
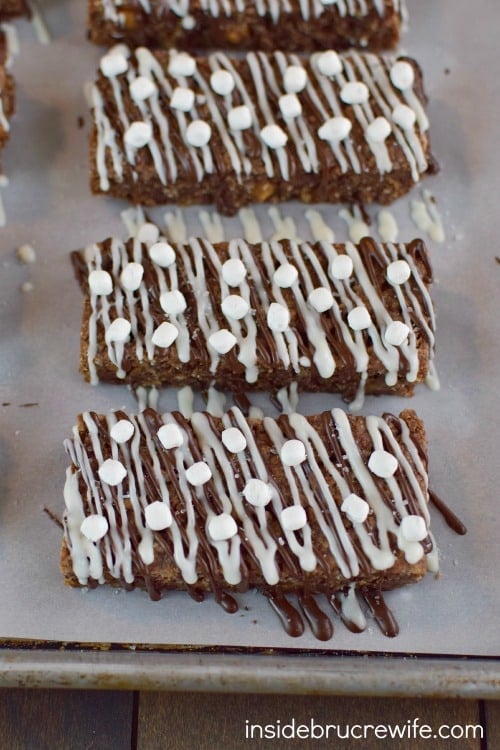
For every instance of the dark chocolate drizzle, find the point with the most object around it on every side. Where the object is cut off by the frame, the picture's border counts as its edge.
(288, 615)
(319, 622)
(381, 612)
(449, 516)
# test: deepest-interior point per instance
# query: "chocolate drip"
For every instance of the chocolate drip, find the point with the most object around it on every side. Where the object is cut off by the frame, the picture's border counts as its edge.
(338, 609)
(381, 612)
(227, 602)
(319, 622)
(289, 617)
(449, 516)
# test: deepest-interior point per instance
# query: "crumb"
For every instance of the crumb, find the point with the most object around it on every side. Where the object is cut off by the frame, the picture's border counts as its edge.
(26, 254)
(5, 403)
(28, 404)
(447, 71)
(28, 286)
(497, 258)
(80, 121)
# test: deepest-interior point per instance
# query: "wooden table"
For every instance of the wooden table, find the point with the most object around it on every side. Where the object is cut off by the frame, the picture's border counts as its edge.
(116, 720)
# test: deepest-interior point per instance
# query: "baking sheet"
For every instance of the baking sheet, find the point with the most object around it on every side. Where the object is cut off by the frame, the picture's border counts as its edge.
(48, 205)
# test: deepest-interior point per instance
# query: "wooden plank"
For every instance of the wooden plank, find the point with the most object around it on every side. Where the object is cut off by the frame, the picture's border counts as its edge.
(492, 716)
(65, 719)
(182, 721)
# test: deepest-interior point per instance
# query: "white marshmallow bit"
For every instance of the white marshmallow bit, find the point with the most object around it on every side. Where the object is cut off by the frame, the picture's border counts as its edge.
(222, 527)
(321, 299)
(378, 130)
(173, 303)
(181, 64)
(182, 99)
(112, 472)
(398, 272)
(396, 333)
(341, 267)
(293, 452)
(285, 275)
(148, 234)
(329, 63)
(113, 64)
(233, 271)
(359, 318)
(354, 92)
(404, 116)
(138, 134)
(198, 133)
(290, 106)
(222, 82)
(122, 431)
(382, 464)
(402, 75)
(278, 317)
(158, 516)
(257, 492)
(414, 528)
(335, 129)
(131, 276)
(273, 136)
(100, 282)
(142, 88)
(294, 79)
(293, 518)
(162, 254)
(26, 254)
(239, 118)
(94, 527)
(233, 440)
(355, 508)
(198, 474)
(222, 341)
(118, 330)
(235, 307)
(165, 335)
(170, 435)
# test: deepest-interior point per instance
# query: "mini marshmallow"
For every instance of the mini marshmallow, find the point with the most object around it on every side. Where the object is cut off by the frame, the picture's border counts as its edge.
(112, 472)
(293, 452)
(239, 118)
(378, 130)
(257, 492)
(222, 82)
(294, 79)
(182, 99)
(118, 331)
(234, 440)
(188, 23)
(235, 307)
(278, 317)
(198, 133)
(142, 88)
(382, 464)
(413, 528)
(402, 75)
(293, 518)
(170, 435)
(290, 106)
(222, 341)
(100, 282)
(404, 116)
(335, 129)
(321, 299)
(165, 335)
(199, 473)
(158, 516)
(173, 302)
(222, 527)
(285, 275)
(181, 64)
(329, 63)
(162, 254)
(131, 276)
(355, 508)
(359, 318)
(273, 136)
(398, 272)
(138, 134)
(233, 271)
(113, 64)
(354, 92)
(341, 267)
(94, 527)
(122, 431)
(396, 333)
(148, 233)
